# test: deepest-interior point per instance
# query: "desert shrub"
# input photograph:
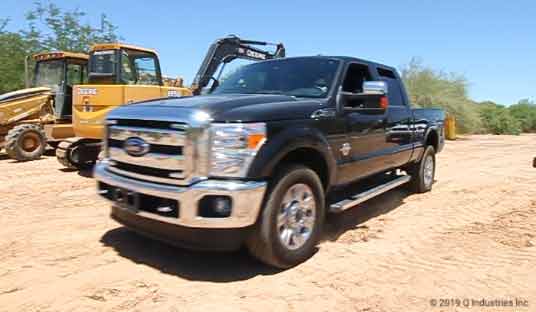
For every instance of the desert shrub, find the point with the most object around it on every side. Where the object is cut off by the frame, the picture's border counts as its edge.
(497, 119)
(525, 112)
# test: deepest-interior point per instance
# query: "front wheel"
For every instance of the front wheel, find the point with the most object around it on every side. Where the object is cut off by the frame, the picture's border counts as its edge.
(423, 172)
(291, 222)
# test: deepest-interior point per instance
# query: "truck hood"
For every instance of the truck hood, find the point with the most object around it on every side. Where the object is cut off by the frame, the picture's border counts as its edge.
(23, 93)
(224, 108)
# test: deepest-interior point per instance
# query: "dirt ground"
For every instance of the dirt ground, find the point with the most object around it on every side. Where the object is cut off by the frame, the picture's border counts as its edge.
(471, 239)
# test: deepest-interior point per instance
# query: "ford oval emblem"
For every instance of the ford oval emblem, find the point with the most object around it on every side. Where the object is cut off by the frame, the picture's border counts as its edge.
(136, 147)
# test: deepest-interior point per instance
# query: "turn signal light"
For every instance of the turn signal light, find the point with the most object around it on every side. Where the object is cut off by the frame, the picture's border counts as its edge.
(255, 139)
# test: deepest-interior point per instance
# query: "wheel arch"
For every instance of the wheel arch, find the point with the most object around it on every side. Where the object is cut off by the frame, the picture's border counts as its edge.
(297, 146)
(432, 138)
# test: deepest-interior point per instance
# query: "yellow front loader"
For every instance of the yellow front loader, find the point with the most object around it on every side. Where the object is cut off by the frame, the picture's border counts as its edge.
(32, 117)
(118, 74)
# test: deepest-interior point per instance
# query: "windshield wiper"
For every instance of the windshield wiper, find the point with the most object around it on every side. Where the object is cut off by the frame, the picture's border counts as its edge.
(268, 92)
(241, 91)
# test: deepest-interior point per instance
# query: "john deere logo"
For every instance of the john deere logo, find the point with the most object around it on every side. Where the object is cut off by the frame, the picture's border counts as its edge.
(136, 147)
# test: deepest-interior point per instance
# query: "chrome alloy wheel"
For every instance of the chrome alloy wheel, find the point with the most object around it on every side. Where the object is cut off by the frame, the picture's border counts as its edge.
(429, 170)
(296, 217)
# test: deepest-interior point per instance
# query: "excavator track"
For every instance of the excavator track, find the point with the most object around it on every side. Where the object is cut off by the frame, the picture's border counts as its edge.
(64, 150)
(78, 153)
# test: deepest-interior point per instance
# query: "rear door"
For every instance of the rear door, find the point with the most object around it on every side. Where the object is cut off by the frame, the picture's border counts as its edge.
(398, 132)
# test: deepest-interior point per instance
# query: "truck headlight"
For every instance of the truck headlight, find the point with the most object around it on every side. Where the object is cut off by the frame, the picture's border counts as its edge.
(233, 147)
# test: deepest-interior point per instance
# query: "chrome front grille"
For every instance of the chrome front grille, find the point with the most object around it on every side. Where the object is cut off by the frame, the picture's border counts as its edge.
(149, 135)
(169, 160)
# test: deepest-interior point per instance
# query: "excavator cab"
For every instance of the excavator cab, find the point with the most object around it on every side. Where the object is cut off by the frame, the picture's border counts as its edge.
(124, 66)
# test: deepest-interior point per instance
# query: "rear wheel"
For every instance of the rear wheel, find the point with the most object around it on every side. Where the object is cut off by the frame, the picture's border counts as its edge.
(291, 222)
(423, 172)
(25, 142)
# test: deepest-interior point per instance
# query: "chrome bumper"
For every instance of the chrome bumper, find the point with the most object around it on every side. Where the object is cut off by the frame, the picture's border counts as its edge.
(246, 197)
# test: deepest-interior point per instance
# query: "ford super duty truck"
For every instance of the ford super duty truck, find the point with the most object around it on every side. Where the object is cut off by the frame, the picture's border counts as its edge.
(259, 159)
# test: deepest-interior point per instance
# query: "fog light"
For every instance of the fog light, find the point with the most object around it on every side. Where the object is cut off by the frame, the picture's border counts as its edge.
(215, 206)
(222, 206)
(164, 209)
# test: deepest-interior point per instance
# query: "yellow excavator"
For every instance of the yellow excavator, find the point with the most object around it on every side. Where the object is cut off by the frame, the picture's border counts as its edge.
(118, 74)
(122, 74)
(40, 114)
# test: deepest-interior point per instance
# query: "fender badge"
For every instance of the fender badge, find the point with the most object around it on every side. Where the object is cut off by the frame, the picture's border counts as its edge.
(345, 149)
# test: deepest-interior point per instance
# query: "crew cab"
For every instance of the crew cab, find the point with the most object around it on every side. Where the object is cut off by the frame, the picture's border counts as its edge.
(259, 159)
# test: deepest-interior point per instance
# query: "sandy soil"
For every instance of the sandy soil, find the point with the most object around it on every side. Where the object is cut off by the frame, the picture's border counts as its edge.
(472, 237)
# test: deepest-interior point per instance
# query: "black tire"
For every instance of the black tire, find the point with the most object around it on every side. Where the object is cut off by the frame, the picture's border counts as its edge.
(265, 243)
(421, 182)
(26, 142)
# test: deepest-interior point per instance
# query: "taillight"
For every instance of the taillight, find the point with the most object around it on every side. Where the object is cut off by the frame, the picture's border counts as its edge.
(384, 102)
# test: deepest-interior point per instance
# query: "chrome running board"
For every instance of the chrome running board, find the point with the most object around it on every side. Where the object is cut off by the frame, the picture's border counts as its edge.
(368, 194)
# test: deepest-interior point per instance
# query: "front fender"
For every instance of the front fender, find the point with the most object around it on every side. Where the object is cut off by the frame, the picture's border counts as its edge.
(286, 141)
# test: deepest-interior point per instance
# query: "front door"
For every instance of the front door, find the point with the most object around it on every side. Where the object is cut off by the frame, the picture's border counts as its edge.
(365, 147)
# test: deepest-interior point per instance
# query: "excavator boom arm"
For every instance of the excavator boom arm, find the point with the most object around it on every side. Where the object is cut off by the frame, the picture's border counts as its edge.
(228, 49)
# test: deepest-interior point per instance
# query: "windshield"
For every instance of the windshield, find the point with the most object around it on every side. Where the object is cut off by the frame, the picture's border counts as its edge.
(300, 77)
(49, 74)
(102, 63)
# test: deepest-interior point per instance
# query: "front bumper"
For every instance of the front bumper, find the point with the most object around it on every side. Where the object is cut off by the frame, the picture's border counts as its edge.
(246, 197)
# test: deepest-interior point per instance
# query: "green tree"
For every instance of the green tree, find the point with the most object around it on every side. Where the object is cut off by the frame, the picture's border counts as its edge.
(13, 48)
(48, 28)
(52, 28)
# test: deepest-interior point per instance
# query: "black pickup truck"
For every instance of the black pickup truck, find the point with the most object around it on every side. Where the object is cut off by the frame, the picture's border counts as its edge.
(257, 160)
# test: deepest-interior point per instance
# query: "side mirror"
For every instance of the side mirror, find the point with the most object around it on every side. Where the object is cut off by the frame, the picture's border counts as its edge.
(373, 98)
(375, 88)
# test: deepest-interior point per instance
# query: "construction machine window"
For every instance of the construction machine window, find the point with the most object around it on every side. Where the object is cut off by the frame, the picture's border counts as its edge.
(300, 77)
(49, 74)
(127, 71)
(75, 74)
(146, 69)
(139, 67)
(102, 63)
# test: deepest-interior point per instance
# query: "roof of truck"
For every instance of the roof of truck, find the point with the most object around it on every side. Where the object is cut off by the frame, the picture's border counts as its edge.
(59, 55)
(346, 59)
(118, 45)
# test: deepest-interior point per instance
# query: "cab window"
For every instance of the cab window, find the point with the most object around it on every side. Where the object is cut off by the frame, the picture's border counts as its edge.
(355, 76)
(146, 69)
(127, 72)
(75, 74)
(393, 84)
(139, 68)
